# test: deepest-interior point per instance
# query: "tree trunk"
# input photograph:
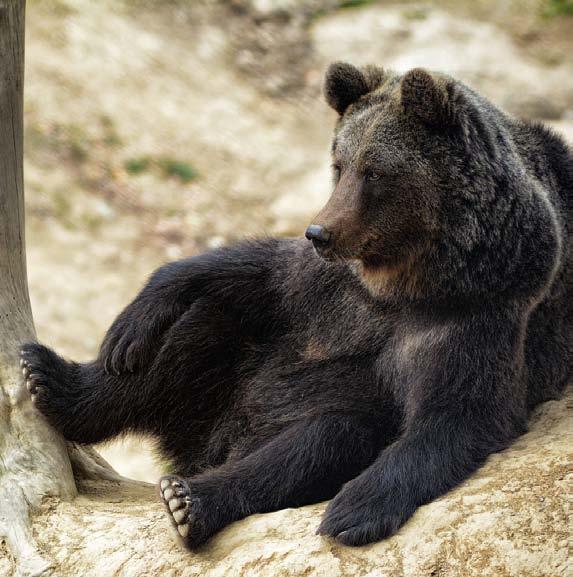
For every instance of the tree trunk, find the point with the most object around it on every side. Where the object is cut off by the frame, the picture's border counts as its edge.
(34, 460)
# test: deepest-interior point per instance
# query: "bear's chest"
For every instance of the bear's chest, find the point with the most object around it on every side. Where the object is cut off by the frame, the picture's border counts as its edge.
(413, 359)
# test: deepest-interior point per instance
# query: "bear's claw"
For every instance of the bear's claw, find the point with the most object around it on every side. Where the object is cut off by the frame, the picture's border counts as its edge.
(29, 377)
(51, 383)
(29, 362)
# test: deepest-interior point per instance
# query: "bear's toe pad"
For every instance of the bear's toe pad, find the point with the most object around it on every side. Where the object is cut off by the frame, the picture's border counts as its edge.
(33, 373)
(176, 496)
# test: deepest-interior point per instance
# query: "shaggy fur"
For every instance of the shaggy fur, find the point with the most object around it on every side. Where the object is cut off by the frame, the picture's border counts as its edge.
(379, 369)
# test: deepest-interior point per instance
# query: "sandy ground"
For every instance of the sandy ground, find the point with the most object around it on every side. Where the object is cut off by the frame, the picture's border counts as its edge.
(149, 136)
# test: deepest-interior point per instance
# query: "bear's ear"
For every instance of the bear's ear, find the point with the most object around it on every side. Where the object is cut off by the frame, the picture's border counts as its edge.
(345, 84)
(427, 97)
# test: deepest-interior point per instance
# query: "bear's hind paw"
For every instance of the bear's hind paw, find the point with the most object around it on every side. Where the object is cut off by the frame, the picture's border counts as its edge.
(47, 377)
(176, 496)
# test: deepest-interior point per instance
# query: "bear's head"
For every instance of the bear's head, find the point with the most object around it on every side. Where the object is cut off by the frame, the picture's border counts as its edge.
(430, 194)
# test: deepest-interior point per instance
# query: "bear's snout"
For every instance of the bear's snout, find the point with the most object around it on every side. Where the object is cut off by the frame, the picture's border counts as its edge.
(318, 235)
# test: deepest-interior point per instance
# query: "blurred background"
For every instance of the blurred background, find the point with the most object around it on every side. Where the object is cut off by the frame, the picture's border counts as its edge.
(158, 129)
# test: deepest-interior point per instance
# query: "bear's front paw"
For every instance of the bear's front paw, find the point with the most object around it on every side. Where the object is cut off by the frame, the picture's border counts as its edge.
(135, 334)
(49, 379)
(122, 353)
(356, 516)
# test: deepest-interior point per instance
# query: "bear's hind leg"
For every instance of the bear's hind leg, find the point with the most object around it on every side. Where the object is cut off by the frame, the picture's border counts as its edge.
(184, 381)
(191, 384)
(306, 463)
(80, 400)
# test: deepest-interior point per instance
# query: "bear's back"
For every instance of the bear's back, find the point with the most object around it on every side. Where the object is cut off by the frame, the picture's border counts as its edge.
(549, 344)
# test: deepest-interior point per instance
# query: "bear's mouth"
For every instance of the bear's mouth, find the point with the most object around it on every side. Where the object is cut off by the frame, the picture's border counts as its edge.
(335, 254)
(327, 253)
(365, 254)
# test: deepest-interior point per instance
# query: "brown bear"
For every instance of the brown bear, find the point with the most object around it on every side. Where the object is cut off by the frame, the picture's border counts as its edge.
(378, 365)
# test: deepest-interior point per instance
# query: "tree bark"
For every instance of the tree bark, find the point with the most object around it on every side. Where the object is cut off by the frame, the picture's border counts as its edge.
(35, 461)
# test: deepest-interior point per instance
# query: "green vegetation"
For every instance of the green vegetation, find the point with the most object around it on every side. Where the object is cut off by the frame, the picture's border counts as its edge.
(182, 170)
(169, 167)
(559, 8)
(73, 138)
(321, 11)
(137, 165)
(354, 3)
(71, 141)
(67, 141)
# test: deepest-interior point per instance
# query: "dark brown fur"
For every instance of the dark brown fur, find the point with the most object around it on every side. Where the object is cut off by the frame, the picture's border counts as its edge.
(380, 369)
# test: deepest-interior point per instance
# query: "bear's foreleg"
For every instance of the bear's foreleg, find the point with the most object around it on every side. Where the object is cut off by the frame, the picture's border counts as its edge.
(235, 276)
(466, 400)
(306, 463)
(413, 471)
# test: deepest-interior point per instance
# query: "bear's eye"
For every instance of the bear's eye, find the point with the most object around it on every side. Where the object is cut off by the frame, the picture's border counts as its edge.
(373, 176)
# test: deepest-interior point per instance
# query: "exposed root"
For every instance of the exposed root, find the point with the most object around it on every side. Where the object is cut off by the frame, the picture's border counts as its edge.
(89, 465)
(16, 527)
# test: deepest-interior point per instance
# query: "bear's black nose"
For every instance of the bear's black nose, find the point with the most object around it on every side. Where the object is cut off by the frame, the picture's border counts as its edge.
(318, 234)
